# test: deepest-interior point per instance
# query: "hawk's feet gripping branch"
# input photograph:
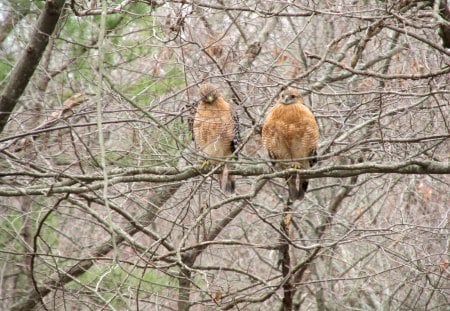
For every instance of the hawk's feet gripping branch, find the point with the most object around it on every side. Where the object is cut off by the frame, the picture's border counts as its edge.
(205, 163)
(297, 166)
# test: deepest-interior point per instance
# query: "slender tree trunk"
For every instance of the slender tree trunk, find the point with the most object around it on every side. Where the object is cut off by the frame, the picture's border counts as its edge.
(29, 60)
(288, 290)
(26, 232)
(444, 29)
(184, 289)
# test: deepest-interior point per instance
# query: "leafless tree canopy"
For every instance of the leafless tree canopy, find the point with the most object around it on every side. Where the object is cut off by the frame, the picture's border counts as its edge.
(104, 205)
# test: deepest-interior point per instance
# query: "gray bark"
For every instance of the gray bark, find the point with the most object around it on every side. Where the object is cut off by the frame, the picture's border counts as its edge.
(29, 60)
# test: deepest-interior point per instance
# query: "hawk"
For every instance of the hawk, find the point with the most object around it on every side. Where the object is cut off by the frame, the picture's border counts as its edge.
(291, 133)
(216, 131)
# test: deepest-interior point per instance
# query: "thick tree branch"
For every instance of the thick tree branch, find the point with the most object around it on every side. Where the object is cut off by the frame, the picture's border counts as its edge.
(168, 174)
(25, 67)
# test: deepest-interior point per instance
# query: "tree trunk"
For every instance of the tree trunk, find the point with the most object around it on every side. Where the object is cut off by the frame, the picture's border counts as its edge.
(288, 290)
(25, 67)
(444, 29)
(184, 289)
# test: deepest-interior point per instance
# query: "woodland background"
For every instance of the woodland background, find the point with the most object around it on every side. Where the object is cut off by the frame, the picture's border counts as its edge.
(103, 205)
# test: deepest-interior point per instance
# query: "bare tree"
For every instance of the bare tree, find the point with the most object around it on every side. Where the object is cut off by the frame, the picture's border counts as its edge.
(104, 204)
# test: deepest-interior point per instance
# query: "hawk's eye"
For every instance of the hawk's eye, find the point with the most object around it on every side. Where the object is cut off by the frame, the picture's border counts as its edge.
(291, 96)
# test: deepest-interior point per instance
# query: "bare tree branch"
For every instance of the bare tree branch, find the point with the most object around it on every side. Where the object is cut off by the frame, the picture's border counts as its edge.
(24, 69)
(33, 297)
(167, 174)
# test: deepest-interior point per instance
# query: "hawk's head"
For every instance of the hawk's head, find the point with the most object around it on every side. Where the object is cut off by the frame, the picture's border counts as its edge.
(209, 93)
(290, 96)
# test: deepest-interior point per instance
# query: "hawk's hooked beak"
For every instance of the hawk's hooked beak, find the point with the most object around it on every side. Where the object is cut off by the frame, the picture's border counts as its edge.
(285, 99)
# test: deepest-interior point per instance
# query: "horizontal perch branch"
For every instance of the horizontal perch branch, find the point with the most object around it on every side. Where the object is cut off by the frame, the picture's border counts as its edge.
(86, 183)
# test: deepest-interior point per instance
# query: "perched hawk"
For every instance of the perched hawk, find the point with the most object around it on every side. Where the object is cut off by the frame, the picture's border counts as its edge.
(216, 130)
(291, 133)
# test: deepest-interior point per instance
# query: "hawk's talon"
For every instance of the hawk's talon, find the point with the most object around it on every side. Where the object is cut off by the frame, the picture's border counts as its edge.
(297, 166)
(205, 163)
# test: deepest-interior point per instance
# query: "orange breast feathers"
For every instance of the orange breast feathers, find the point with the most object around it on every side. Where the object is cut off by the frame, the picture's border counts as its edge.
(214, 128)
(291, 132)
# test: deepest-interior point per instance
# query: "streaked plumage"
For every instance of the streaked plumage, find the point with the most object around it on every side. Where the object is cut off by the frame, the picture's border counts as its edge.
(290, 132)
(215, 130)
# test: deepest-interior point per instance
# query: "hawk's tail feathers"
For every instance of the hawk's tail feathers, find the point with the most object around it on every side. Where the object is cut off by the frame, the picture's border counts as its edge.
(227, 183)
(297, 187)
(230, 185)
